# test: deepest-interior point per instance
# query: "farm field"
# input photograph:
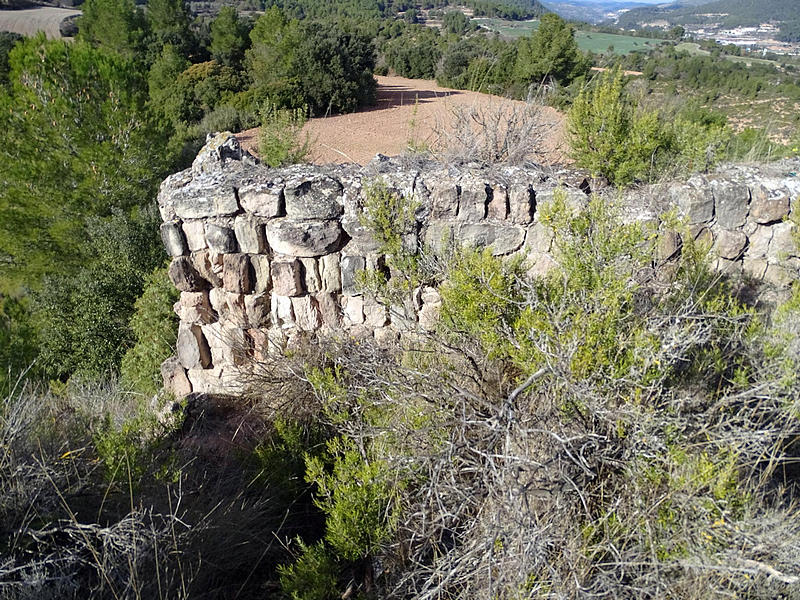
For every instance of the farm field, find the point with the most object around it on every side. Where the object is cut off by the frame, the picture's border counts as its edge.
(407, 110)
(694, 48)
(31, 21)
(587, 40)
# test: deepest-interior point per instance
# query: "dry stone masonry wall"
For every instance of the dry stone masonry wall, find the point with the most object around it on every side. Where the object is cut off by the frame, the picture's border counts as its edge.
(263, 257)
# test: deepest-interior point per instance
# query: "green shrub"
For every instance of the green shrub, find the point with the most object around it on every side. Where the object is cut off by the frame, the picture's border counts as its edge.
(154, 326)
(313, 576)
(281, 140)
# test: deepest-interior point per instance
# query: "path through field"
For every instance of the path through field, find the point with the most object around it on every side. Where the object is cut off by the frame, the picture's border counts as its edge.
(32, 20)
(407, 109)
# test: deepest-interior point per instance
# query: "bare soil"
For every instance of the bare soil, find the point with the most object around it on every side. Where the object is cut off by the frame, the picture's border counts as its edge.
(408, 110)
(32, 20)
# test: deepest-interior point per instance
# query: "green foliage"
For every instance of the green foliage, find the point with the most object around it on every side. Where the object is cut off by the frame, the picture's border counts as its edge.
(229, 37)
(281, 140)
(17, 341)
(154, 326)
(7, 41)
(117, 26)
(313, 576)
(550, 53)
(356, 495)
(169, 23)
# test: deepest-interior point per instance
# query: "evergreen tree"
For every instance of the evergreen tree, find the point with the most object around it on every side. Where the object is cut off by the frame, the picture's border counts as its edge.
(550, 53)
(229, 37)
(115, 25)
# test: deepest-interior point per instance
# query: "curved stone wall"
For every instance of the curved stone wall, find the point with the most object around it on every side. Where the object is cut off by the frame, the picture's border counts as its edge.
(262, 256)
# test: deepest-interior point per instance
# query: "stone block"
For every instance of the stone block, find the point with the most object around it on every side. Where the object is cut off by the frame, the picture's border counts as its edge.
(199, 201)
(540, 264)
(444, 200)
(430, 306)
(502, 239)
(539, 238)
(521, 204)
(696, 203)
(250, 234)
(759, 242)
(668, 246)
(730, 244)
(206, 381)
(257, 309)
(330, 274)
(220, 239)
(439, 235)
(754, 267)
(702, 236)
(262, 199)
(304, 238)
(236, 273)
(195, 307)
(209, 265)
(768, 206)
(195, 232)
(353, 310)
(174, 377)
(350, 267)
(497, 208)
(473, 200)
(306, 313)
(184, 276)
(227, 343)
(728, 267)
(282, 312)
(192, 347)
(329, 310)
(782, 244)
(229, 306)
(779, 276)
(259, 342)
(172, 236)
(310, 274)
(261, 272)
(317, 198)
(386, 337)
(375, 315)
(731, 203)
(287, 278)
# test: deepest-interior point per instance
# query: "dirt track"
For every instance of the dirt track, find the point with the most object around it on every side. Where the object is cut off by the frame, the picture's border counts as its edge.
(30, 21)
(387, 127)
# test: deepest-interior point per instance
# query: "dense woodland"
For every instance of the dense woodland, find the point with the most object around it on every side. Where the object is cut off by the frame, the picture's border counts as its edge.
(363, 475)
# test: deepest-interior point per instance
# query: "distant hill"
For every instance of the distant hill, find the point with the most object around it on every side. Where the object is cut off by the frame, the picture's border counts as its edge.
(737, 13)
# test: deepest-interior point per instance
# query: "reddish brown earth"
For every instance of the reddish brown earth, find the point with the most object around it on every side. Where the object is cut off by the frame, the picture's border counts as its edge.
(407, 109)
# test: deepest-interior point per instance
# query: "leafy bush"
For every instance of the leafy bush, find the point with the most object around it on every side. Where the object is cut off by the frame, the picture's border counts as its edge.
(281, 140)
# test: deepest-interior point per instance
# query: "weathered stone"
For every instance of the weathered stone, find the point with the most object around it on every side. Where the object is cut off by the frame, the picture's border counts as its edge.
(219, 150)
(361, 237)
(539, 238)
(261, 272)
(351, 266)
(199, 202)
(431, 304)
(259, 342)
(229, 306)
(174, 377)
(209, 265)
(759, 242)
(262, 199)
(696, 203)
(318, 198)
(236, 273)
(730, 244)
(439, 235)
(206, 381)
(541, 264)
(498, 205)
(330, 273)
(754, 267)
(375, 315)
(184, 276)
(329, 310)
(703, 236)
(386, 337)
(502, 239)
(473, 200)
(731, 203)
(173, 239)
(282, 312)
(353, 310)
(229, 344)
(668, 246)
(304, 238)
(782, 245)
(728, 267)
(779, 276)
(287, 279)
(768, 206)
(195, 232)
(310, 274)
(521, 204)
(306, 313)
(250, 234)
(220, 239)
(194, 307)
(257, 308)
(191, 347)
(444, 200)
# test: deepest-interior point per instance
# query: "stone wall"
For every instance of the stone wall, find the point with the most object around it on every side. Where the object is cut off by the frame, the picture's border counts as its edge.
(264, 256)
